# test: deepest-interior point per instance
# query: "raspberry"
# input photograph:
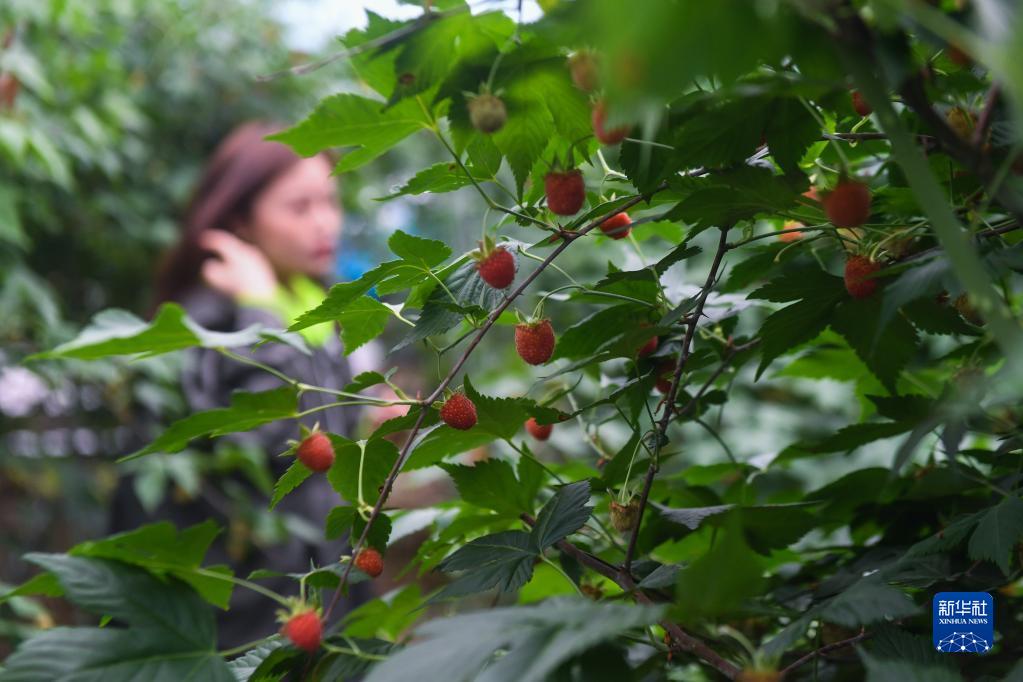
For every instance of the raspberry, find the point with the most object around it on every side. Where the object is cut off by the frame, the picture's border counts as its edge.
(538, 431)
(857, 269)
(848, 205)
(316, 452)
(617, 226)
(859, 104)
(566, 191)
(369, 562)
(497, 268)
(535, 342)
(612, 136)
(458, 412)
(304, 629)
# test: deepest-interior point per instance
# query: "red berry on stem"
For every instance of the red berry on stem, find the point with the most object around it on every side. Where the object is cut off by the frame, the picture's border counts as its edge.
(305, 630)
(538, 431)
(848, 205)
(498, 268)
(649, 347)
(612, 136)
(458, 412)
(370, 562)
(535, 342)
(860, 105)
(566, 191)
(316, 452)
(617, 226)
(857, 271)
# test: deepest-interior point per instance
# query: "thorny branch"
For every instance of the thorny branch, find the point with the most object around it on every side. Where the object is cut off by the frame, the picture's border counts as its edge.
(662, 426)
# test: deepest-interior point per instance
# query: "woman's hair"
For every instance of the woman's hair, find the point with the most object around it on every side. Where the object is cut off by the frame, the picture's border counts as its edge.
(241, 167)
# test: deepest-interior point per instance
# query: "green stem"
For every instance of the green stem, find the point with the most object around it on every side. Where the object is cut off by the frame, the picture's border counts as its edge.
(563, 574)
(242, 648)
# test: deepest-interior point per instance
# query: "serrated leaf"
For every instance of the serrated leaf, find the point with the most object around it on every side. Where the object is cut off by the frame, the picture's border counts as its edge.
(564, 514)
(502, 560)
(997, 533)
(288, 481)
(246, 411)
(437, 179)
(887, 352)
(490, 484)
(867, 601)
(426, 253)
(361, 467)
(853, 436)
(361, 321)
(889, 670)
(349, 120)
(535, 641)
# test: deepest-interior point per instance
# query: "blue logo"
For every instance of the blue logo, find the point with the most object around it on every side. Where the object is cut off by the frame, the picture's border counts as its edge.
(963, 622)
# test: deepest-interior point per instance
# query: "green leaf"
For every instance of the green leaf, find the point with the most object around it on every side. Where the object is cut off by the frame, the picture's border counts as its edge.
(868, 600)
(587, 336)
(289, 480)
(171, 634)
(162, 549)
(534, 641)
(247, 411)
(853, 436)
(361, 321)
(245, 665)
(348, 120)
(469, 291)
(437, 179)
(502, 560)
(790, 130)
(889, 670)
(490, 484)
(737, 195)
(998, 531)
(786, 329)
(118, 332)
(886, 352)
(719, 581)
(564, 514)
(361, 467)
(426, 253)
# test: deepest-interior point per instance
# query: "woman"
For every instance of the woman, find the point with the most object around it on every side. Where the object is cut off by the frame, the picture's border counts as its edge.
(260, 239)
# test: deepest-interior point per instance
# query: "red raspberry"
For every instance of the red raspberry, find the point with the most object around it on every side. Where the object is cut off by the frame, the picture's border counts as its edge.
(617, 226)
(498, 268)
(458, 412)
(860, 105)
(848, 205)
(369, 562)
(305, 630)
(535, 342)
(566, 192)
(612, 136)
(538, 431)
(316, 452)
(857, 269)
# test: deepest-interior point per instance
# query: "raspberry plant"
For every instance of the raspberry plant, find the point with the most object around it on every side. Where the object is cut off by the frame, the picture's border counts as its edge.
(637, 543)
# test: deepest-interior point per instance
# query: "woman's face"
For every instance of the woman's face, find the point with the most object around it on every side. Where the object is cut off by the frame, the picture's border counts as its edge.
(296, 220)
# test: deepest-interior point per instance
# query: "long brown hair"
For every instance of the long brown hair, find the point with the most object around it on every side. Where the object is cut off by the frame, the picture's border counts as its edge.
(241, 167)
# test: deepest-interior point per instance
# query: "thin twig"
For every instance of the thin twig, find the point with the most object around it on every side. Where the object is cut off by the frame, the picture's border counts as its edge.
(828, 648)
(680, 364)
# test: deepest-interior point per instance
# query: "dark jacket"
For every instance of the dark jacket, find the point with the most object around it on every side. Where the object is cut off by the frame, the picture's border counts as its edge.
(207, 382)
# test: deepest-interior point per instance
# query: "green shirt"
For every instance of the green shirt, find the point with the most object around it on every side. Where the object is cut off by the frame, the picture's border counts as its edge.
(289, 302)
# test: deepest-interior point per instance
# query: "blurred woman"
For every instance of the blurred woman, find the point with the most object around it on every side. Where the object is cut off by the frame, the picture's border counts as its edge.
(260, 241)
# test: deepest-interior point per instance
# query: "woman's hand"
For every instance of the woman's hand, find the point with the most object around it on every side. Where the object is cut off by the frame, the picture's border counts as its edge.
(239, 269)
